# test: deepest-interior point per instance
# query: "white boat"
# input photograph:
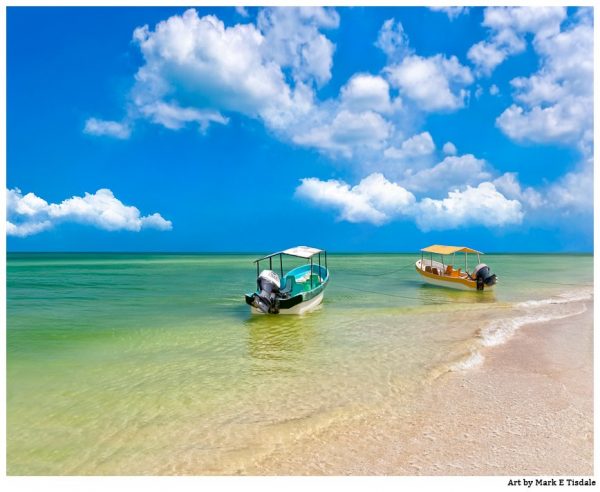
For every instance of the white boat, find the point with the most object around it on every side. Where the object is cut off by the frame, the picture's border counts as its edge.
(298, 291)
(445, 273)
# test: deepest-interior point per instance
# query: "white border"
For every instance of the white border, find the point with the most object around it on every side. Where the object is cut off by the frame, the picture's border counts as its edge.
(66, 484)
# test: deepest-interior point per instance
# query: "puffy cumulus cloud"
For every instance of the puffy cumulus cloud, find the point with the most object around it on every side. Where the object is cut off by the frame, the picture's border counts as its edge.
(114, 129)
(482, 205)
(27, 228)
(508, 29)
(415, 146)
(508, 184)
(573, 193)
(374, 200)
(453, 172)
(451, 12)
(292, 39)
(347, 133)
(196, 68)
(365, 92)
(494, 90)
(449, 148)
(198, 71)
(436, 83)
(544, 124)
(29, 214)
(392, 40)
(486, 56)
(570, 196)
(555, 104)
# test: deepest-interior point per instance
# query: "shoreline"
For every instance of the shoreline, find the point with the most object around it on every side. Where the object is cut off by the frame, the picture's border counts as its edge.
(526, 410)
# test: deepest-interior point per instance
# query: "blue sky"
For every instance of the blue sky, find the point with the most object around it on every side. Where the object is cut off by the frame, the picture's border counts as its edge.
(352, 129)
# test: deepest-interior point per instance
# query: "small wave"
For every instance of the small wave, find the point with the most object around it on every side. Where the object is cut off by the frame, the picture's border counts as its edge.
(474, 359)
(561, 299)
(499, 331)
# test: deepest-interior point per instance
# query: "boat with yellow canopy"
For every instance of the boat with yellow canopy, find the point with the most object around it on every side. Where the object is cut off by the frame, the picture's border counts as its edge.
(446, 273)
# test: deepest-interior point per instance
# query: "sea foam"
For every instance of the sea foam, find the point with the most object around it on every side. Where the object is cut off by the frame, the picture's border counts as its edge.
(499, 331)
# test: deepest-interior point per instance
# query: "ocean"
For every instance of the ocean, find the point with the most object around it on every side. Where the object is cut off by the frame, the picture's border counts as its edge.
(130, 364)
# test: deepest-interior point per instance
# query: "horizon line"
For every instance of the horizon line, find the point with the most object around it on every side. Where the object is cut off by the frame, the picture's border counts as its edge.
(262, 251)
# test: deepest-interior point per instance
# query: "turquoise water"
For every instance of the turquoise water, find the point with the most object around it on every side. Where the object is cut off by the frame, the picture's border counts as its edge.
(152, 364)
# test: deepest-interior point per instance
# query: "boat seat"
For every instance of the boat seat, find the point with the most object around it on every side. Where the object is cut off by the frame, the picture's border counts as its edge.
(428, 268)
(435, 271)
(449, 270)
(290, 283)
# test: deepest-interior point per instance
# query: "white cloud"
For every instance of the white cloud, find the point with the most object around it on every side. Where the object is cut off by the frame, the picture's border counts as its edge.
(29, 214)
(486, 56)
(198, 65)
(415, 146)
(114, 129)
(392, 40)
(451, 12)
(292, 39)
(555, 104)
(570, 196)
(483, 205)
(449, 148)
(453, 172)
(368, 92)
(243, 11)
(494, 90)
(434, 84)
(197, 71)
(573, 194)
(554, 123)
(174, 117)
(508, 184)
(27, 228)
(347, 133)
(508, 28)
(374, 200)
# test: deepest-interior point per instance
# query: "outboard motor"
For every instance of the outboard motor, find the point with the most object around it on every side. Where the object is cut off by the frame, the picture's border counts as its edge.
(266, 300)
(483, 276)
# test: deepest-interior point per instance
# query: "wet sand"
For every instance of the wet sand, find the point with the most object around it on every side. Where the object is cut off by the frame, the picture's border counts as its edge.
(527, 410)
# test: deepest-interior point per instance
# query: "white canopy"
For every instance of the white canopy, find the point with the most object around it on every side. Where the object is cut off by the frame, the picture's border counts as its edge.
(299, 251)
(302, 251)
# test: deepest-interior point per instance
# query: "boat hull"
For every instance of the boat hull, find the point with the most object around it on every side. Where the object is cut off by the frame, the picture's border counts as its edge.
(300, 308)
(457, 283)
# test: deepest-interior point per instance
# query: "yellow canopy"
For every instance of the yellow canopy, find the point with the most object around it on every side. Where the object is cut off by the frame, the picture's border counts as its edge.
(448, 250)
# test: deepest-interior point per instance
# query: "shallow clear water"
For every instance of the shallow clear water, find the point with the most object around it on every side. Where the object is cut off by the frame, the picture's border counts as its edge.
(152, 364)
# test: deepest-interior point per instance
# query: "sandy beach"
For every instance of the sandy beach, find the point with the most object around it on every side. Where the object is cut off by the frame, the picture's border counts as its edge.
(527, 410)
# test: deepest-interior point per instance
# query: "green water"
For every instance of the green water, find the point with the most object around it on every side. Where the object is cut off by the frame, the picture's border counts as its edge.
(152, 364)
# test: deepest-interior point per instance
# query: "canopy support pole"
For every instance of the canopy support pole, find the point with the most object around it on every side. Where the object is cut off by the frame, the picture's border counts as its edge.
(281, 265)
(311, 270)
(319, 264)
